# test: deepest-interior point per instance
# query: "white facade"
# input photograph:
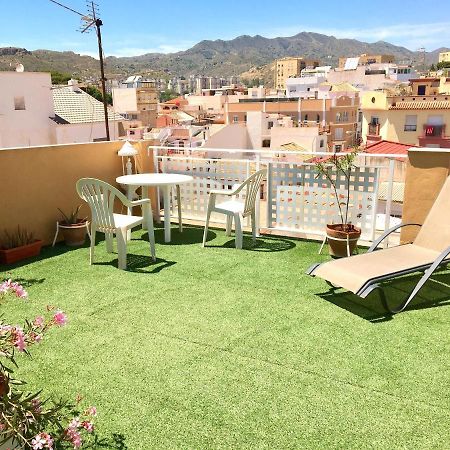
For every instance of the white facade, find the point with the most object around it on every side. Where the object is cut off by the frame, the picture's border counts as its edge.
(303, 87)
(26, 105)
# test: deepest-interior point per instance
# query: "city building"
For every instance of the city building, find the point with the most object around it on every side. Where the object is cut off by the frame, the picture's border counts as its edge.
(406, 119)
(364, 60)
(291, 67)
(137, 99)
(444, 57)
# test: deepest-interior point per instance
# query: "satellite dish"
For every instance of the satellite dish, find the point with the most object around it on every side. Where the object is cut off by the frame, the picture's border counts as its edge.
(20, 68)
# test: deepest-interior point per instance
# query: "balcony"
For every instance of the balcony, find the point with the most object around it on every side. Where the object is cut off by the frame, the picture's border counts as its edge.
(373, 133)
(434, 136)
(433, 131)
(214, 347)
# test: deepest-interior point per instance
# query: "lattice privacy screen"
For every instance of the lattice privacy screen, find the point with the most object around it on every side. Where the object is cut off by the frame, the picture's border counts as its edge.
(298, 200)
(208, 174)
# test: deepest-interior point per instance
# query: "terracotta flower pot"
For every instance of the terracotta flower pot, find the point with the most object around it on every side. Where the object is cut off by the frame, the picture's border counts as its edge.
(74, 233)
(12, 255)
(339, 248)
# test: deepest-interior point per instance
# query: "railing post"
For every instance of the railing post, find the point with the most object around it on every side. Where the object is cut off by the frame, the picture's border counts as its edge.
(269, 195)
(387, 221)
(258, 198)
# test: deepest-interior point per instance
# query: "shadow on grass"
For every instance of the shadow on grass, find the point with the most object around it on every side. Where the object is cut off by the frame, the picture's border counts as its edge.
(115, 442)
(140, 264)
(264, 244)
(435, 293)
(189, 235)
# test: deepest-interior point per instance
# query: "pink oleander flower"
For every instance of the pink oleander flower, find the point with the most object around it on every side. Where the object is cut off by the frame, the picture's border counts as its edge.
(9, 285)
(39, 321)
(91, 411)
(74, 424)
(60, 318)
(73, 436)
(42, 440)
(88, 426)
(19, 339)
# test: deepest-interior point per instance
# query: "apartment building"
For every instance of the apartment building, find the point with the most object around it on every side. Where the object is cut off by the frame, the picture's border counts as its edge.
(137, 100)
(291, 67)
(408, 119)
(430, 86)
(364, 60)
(444, 57)
(338, 117)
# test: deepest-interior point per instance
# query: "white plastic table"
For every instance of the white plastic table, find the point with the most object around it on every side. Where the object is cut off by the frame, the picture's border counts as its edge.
(165, 181)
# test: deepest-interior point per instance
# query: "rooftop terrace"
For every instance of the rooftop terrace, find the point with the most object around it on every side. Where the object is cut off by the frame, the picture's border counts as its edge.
(218, 348)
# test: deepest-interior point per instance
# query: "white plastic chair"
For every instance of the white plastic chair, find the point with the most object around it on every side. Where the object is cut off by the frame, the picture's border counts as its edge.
(234, 208)
(100, 196)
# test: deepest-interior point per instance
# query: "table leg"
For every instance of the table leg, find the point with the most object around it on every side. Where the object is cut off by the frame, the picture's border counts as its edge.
(130, 191)
(166, 194)
(180, 221)
(144, 195)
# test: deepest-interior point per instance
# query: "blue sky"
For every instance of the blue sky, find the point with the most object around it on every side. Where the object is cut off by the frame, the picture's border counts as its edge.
(137, 27)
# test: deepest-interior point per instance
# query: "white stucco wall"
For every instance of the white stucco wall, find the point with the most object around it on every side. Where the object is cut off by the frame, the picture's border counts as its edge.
(31, 126)
(85, 132)
(125, 100)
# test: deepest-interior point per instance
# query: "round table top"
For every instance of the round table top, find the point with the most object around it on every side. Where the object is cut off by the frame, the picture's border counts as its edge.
(154, 179)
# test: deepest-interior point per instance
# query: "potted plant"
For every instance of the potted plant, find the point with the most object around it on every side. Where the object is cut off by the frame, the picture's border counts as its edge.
(342, 236)
(73, 228)
(17, 245)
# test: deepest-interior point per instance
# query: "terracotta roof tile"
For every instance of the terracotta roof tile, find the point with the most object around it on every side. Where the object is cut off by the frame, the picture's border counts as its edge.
(437, 104)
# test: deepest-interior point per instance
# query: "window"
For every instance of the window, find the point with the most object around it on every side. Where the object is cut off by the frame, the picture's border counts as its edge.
(321, 143)
(306, 118)
(374, 120)
(345, 116)
(337, 148)
(360, 116)
(19, 103)
(235, 119)
(338, 117)
(266, 143)
(318, 118)
(410, 123)
(269, 125)
(338, 134)
(421, 89)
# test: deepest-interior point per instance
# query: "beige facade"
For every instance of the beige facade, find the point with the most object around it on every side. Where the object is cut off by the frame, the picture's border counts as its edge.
(407, 119)
(369, 59)
(289, 68)
(140, 103)
(444, 57)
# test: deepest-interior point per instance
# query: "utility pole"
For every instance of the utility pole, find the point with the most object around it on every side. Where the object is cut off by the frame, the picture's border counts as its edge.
(92, 20)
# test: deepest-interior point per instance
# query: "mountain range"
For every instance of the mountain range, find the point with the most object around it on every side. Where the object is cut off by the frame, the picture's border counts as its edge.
(243, 55)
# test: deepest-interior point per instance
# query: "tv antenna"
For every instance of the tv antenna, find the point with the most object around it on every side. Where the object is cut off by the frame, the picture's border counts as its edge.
(88, 22)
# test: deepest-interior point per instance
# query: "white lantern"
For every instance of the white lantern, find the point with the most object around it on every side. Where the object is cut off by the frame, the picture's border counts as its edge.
(127, 151)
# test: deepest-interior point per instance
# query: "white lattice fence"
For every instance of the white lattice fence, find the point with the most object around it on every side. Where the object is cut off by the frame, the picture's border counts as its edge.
(208, 174)
(301, 201)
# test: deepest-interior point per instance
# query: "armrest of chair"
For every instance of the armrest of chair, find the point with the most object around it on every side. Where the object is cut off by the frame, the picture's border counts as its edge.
(131, 203)
(388, 232)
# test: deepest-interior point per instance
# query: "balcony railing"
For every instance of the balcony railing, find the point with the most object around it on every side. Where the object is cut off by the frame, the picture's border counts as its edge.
(410, 128)
(294, 198)
(433, 131)
(374, 129)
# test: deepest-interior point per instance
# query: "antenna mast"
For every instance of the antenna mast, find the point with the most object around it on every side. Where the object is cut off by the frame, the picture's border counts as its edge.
(89, 21)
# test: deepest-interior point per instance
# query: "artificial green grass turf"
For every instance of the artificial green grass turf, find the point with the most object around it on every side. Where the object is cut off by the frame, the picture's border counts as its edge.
(219, 348)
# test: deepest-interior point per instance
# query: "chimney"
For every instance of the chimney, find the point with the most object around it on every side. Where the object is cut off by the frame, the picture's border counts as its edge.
(73, 84)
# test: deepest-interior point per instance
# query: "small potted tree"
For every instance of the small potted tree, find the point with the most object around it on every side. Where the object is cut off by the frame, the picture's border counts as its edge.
(18, 245)
(343, 236)
(73, 228)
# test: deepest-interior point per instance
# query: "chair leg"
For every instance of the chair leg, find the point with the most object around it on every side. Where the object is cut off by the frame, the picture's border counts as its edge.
(238, 232)
(253, 219)
(121, 235)
(150, 229)
(91, 249)
(180, 221)
(205, 232)
(229, 224)
(109, 242)
(56, 234)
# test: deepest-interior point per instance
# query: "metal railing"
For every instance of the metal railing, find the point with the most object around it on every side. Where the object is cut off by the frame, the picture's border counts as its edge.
(294, 198)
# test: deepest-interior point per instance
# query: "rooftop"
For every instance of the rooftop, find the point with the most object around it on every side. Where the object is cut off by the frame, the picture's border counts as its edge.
(73, 105)
(214, 347)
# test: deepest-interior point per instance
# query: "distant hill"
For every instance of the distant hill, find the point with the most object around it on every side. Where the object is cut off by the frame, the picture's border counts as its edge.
(244, 54)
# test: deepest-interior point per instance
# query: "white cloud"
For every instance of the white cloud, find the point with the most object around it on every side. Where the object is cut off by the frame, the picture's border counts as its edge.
(161, 48)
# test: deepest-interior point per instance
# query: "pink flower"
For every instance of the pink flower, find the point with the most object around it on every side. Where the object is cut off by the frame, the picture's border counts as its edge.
(88, 426)
(20, 291)
(42, 440)
(74, 424)
(60, 318)
(91, 411)
(73, 436)
(39, 321)
(19, 340)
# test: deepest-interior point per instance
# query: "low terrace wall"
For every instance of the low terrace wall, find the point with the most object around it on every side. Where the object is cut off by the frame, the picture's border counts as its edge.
(35, 181)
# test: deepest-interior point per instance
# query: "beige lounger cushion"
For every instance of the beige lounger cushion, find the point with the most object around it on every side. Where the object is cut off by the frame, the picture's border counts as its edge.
(353, 272)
